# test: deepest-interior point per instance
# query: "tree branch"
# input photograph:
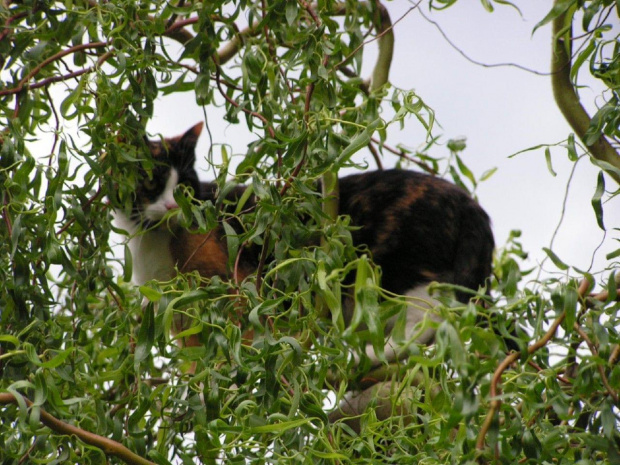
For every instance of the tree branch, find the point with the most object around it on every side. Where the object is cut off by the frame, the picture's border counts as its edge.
(108, 446)
(385, 37)
(568, 100)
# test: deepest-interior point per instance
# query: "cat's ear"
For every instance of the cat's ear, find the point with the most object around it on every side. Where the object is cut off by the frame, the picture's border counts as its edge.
(189, 140)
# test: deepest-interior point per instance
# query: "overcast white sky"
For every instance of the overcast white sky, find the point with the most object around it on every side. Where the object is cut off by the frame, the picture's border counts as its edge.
(499, 110)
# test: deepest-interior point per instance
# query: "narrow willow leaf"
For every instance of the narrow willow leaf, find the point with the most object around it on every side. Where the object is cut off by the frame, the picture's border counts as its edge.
(548, 159)
(57, 360)
(232, 243)
(279, 427)
(570, 308)
(359, 141)
(612, 287)
(158, 457)
(487, 5)
(188, 332)
(150, 293)
(559, 8)
(612, 255)
(363, 271)
(581, 58)
(146, 335)
(608, 420)
(529, 149)
(128, 265)
(10, 339)
(247, 193)
(597, 200)
(555, 259)
(465, 170)
(570, 146)
(487, 174)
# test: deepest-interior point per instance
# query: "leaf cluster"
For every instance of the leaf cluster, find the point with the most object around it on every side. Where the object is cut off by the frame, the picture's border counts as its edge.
(90, 349)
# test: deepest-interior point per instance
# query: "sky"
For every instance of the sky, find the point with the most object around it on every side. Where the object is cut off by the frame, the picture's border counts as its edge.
(499, 110)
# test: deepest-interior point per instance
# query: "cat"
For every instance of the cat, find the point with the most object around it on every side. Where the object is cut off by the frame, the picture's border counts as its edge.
(419, 229)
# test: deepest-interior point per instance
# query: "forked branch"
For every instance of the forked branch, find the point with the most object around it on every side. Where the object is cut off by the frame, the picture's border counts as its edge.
(568, 100)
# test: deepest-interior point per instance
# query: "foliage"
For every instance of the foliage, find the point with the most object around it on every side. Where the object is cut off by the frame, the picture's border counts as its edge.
(80, 344)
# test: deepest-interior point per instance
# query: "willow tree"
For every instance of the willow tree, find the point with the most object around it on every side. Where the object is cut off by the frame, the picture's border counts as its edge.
(89, 370)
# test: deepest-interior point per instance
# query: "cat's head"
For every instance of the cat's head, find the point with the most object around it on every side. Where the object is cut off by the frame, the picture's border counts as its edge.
(174, 160)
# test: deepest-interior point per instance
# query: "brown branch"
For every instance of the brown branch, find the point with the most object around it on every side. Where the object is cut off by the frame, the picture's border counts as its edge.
(7, 29)
(230, 49)
(255, 114)
(613, 358)
(179, 25)
(375, 154)
(108, 446)
(568, 100)
(385, 38)
(57, 56)
(513, 357)
(402, 154)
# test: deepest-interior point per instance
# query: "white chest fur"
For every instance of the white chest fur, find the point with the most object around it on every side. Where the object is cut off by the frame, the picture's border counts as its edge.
(150, 252)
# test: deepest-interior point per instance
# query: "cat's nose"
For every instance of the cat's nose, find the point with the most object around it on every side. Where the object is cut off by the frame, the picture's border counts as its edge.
(170, 205)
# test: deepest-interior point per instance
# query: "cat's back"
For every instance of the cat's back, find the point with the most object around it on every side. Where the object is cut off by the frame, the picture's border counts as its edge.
(418, 227)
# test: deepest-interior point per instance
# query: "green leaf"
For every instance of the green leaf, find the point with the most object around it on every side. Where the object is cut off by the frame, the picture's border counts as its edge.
(570, 146)
(555, 259)
(612, 255)
(608, 420)
(359, 141)
(548, 159)
(150, 293)
(279, 427)
(10, 339)
(146, 335)
(581, 58)
(570, 308)
(127, 266)
(487, 5)
(465, 170)
(291, 12)
(232, 243)
(531, 445)
(487, 174)
(597, 200)
(559, 7)
(612, 287)
(57, 360)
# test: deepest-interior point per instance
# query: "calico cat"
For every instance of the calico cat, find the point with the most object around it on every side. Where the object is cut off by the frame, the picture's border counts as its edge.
(419, 229)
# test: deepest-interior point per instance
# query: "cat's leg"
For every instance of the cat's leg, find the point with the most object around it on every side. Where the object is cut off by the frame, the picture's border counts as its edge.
(420, 308)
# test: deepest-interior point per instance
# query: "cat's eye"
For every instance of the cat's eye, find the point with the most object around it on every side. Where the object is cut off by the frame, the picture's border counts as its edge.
(149, 184)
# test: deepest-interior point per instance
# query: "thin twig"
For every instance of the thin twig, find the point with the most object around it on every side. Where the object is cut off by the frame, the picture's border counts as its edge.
(476, 62)
(375, 154)
(402, 154)
(255, 114)
(567, 99)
